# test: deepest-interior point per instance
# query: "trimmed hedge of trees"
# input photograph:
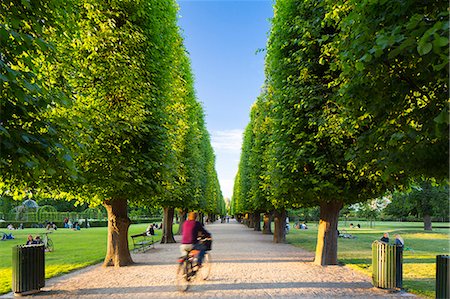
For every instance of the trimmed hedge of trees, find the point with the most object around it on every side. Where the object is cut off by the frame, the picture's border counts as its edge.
(355, 102)
(98, 105)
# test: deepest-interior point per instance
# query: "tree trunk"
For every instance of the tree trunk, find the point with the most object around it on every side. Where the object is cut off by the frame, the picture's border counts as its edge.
(117, 253)
(327, 235)
(167, 233)
(251, 220)
(427, 222)
(266, 225)
(279, 235)
(257, 221)
(182, 216)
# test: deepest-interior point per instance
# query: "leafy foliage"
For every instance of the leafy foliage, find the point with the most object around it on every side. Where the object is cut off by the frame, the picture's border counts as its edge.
(422, 198)
(99, 97)
(393, 85)
(32, 151)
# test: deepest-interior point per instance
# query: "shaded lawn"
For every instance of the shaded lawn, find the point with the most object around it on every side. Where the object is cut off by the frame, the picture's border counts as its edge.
(419, 258)
(73, 249)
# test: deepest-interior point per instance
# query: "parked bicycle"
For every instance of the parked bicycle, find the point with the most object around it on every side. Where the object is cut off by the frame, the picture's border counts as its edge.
(188, 269)
(48, 243)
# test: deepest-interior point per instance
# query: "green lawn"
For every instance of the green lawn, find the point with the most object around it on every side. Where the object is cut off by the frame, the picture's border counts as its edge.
(73, 250)
(419, 262)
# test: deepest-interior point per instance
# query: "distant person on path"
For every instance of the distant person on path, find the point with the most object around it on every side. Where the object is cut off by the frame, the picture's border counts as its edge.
(385, 238)
(399, 240)
(192, 229)
(358, 226)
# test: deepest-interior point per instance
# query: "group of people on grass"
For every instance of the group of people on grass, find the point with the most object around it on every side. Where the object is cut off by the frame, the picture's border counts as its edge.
(302, 225)
(353, 226)
(31, 241)
(75, 226)
(11, 227)
(51, 226)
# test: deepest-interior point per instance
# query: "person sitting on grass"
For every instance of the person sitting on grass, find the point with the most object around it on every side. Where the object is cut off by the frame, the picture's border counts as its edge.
(150, 230)
(30, 240)
(38, 240)
(385, 238)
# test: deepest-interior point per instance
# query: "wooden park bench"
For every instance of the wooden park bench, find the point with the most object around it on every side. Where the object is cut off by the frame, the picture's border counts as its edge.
(142, 242)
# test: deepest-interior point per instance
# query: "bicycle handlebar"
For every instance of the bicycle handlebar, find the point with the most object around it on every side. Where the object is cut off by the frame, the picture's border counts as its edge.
(204, 239)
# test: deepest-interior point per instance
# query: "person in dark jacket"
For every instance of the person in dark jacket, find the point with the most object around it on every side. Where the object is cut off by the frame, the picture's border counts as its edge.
(193, 229)
(385, 238)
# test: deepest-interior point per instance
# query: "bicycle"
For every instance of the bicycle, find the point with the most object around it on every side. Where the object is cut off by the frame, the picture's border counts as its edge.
(48, 243)
(188, 270)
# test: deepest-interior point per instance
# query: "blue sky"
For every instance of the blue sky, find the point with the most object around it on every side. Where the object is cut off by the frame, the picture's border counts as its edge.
(222, 37)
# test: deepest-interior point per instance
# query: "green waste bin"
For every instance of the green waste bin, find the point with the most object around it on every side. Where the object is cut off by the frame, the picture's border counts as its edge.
(442, 277)
(387, 265)
(28, 269)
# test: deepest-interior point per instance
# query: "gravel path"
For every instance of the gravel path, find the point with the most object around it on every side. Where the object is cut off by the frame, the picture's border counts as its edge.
(246, 264)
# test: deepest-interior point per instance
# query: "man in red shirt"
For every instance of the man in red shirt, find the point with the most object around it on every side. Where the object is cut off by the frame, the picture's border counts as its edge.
(193, 229)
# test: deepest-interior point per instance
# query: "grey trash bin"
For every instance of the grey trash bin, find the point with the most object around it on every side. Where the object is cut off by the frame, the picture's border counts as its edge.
(28, 269)
(442, 276)
(387, 265)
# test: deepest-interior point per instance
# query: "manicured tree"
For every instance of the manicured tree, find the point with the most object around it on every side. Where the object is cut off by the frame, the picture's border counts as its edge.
(33, 150)
(394, 84)
(251, 190)
(243, 184)
(235, 199)
(261, 158)
(182, 127)
(309, 167)
(121, 80)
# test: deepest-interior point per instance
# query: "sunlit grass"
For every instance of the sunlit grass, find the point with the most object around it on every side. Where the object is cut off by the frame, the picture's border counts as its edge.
(419, 259)
(73, 250)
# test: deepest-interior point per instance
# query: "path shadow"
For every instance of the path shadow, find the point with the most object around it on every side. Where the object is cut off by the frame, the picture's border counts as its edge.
(226, 261)
(206, 287)
(262, 261)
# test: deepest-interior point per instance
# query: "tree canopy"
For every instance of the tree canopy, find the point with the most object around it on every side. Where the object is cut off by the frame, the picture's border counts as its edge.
(98, 105)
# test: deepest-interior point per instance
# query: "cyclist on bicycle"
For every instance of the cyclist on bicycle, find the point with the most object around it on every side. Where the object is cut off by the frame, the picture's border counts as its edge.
(192, 229)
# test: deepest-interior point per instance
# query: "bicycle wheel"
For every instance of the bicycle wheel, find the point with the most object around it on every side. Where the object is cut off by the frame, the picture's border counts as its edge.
(183, 276)
(205, 270)
(50, 246)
